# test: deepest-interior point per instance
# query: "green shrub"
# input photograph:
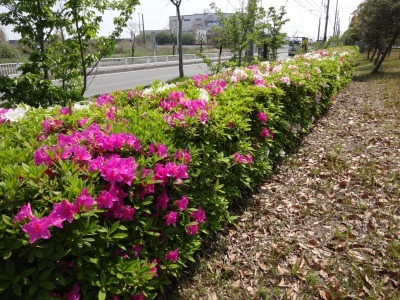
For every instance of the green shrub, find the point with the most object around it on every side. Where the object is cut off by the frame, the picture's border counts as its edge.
(113, 198)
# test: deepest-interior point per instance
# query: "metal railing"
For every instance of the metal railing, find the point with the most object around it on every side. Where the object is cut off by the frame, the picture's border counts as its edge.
(11, 69)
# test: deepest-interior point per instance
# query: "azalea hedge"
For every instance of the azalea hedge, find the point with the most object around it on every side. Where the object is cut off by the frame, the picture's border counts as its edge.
(111, 198)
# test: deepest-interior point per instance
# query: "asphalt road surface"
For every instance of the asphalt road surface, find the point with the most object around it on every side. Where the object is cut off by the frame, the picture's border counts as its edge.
(107, 83)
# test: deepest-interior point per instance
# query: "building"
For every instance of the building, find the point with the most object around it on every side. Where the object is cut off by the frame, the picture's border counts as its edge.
(199, 25)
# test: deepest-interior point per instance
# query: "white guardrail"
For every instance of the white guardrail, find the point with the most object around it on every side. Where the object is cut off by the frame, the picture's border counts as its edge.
(11, 69)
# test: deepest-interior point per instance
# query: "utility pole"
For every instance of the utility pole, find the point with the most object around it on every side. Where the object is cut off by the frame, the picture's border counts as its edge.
(140, 34)
(144, 34)
(319, 27)
(326, 21)
(336, 19)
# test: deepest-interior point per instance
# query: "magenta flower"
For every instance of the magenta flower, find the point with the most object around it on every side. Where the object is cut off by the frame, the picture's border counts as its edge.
(104, 100)
(243, 159)
(171, 218)
(117, 169)
(127, 213)
(159, 149)
(136, 250)
(192, 229)
(262, 117)
(182, 203)
(74, 293)
(37, 229)
(173, 255)
(162, 200)
(153, 268)
(138, 297)
(199, 215)
(106, 200)
(40, 156)
(216, 87)
(183, 155)
(82, 122)
(24, 212)
(81, 154)
(96, 164)
(64, 211)
(64, 111)
(84, 201)
(265, 133)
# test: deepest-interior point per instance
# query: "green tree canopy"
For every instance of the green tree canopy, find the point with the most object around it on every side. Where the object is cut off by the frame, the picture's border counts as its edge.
(65, 42)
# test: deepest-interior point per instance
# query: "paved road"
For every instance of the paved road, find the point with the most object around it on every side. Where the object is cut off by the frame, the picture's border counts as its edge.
(107, 83)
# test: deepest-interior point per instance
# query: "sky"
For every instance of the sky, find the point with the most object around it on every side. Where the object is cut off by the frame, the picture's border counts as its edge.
(304, 15)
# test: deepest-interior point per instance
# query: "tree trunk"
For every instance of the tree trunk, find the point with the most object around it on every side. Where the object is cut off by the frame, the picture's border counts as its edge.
(368, 52)
(178, 12)
(378, 65)
(82, 56)
(378, 56)
(373, 54)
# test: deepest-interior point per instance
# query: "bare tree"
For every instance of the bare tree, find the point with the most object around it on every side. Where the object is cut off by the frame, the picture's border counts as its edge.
(177, 4)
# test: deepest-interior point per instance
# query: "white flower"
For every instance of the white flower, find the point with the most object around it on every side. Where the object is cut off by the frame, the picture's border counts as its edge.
(81, 105)
(16, 114)
(282, 153)
(148, 91)
(164, 87)
(204, 95)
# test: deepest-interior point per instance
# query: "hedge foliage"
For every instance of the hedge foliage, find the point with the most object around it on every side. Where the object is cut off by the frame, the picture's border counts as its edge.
(111, 198)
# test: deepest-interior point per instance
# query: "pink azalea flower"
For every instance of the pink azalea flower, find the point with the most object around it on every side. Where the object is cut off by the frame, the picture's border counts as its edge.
(138, 297)
(262, 117)
(104, 100)
(24, 212)
(117, 169)
(74, 293)
(64, 111)
(106, 200)
(173, 255)
(153, 268)
(81, 154)
(127, 213)
(171, 218)
(285, 80)
(184, 156)
(192, 229)
(37, 229)
(40, 156)
(84, 201)
(182, 203)
(264, 133)
(64, 211)
(199, 215)
(96, 164)
(82, 122)
(136, 250)
(243, 159)
(162, 200)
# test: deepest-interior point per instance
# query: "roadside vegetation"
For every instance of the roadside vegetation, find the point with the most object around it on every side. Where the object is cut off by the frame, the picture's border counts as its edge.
(325, 225)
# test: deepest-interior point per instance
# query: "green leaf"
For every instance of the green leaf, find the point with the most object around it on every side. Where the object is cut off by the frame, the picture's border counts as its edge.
(32, 290)
(119, 236)
(10, 269)
(17, 290)
(47, 285)
(102, 294)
